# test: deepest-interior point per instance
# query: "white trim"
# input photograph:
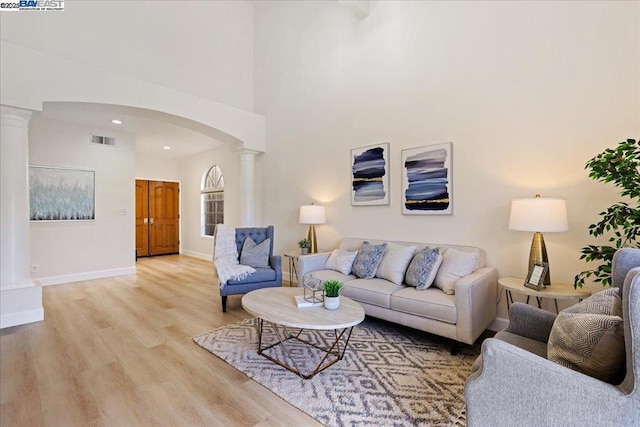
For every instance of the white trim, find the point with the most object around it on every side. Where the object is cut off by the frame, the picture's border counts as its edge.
(206, 257)
(498, 324)
(15, 319)
(88, 275)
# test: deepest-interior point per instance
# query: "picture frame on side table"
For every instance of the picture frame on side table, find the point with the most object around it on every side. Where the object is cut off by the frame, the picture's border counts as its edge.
(427, 180)
(537, 273)
(370, 175)
(61, 194)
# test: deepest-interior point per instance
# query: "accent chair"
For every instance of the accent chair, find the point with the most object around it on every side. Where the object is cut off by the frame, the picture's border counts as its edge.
(513, 384)
(263, 277)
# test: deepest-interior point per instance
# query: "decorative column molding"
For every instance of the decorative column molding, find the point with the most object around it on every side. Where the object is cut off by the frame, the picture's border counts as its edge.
(14, 197)
(247, 187)
(20, 298)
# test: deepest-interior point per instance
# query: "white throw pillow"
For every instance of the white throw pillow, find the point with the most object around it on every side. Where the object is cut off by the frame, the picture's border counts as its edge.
(341, 261)
(455, 265)
(394, 263)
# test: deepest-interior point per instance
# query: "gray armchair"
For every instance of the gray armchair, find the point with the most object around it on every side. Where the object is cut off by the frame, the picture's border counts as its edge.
(513, 384)
(267, 277)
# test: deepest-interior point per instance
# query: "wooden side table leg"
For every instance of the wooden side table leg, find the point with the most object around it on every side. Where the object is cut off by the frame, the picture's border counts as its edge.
(539, 302)
(556, 302)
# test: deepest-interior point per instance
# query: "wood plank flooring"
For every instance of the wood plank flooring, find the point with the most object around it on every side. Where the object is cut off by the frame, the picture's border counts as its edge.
(118, 352)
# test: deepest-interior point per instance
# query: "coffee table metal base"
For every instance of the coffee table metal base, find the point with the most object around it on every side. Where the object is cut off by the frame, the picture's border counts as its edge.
(332, 354)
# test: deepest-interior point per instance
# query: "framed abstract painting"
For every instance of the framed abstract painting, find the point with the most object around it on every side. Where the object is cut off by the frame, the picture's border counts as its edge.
(427, 180)
(61, 194)
(370, 175)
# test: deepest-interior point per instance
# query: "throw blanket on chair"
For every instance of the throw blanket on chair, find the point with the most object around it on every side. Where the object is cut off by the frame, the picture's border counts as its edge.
(225, 256)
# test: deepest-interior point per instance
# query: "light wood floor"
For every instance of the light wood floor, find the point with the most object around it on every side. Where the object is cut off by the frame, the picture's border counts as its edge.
(119, 352)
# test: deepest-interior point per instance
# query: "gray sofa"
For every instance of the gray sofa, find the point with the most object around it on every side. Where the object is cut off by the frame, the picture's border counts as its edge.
(461, 317)
(512, 382)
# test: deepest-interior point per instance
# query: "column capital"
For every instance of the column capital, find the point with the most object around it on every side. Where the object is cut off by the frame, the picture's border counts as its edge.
(17, 117)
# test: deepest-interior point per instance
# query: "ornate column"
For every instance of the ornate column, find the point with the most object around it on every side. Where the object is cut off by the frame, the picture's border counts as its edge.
(247, 188)
(21, 300)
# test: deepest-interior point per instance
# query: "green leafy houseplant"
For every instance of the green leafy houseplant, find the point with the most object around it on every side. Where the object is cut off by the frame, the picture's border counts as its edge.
(620, 166)
(332, 288)
(304, 243)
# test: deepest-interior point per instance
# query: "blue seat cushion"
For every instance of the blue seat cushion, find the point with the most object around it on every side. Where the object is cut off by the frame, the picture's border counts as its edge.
(262, 274)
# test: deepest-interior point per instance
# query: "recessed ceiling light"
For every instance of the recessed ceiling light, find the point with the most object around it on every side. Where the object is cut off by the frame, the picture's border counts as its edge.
(166, 147)
(116, 122)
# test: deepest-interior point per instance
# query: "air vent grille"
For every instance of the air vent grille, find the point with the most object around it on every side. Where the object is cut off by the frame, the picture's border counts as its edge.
(103, 140)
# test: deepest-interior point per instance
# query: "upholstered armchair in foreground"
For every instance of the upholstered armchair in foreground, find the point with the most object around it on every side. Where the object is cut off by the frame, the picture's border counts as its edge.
(513, 384)
(263, 277)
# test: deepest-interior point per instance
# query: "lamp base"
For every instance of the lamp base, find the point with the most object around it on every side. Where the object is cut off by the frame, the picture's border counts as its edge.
(538, 253)
(314, 241)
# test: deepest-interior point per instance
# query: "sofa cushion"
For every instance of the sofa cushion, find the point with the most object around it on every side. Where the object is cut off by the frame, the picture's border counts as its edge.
(254, 255)
(262, 274)
(366, 263)
(455, 265)
(371, 291)
(423, 268)
(394, 263)
(588, 336)
(341, 261)
(325, 275)
(430, 303)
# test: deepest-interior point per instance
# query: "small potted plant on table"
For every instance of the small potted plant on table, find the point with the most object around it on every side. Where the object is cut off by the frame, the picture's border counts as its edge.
(332, 289)
(304, 244)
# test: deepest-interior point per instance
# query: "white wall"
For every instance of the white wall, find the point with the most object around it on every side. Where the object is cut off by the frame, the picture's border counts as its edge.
(526, 91)
(157, 168)
(203, 48)
(71, 251)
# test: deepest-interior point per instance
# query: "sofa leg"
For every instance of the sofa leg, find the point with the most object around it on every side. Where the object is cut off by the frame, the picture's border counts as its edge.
(453, 349)
(224, 304)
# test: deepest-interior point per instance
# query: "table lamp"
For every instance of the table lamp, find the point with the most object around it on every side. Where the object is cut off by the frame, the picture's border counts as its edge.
(539, 215)
(312, 215)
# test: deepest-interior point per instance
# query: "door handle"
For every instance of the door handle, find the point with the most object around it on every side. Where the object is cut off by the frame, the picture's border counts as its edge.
(151, 221)
(145, 221)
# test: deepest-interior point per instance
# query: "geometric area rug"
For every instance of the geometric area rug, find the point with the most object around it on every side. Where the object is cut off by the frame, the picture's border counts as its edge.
(390, 375)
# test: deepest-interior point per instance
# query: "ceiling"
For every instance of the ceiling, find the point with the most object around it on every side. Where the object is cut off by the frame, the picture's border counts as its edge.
(152, 130)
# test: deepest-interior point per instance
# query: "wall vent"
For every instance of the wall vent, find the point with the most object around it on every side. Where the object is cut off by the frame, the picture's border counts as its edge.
(103, 140)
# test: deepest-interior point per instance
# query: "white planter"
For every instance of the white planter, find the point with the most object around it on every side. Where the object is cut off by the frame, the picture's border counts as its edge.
(304, 251)
(331, 303)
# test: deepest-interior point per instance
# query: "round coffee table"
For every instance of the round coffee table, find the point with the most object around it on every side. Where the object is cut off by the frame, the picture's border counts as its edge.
(277, 307)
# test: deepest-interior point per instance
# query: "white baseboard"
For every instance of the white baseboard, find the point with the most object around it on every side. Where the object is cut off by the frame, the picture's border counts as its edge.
(200, 255)
(88, 275)
(24, 317)
(498, 324)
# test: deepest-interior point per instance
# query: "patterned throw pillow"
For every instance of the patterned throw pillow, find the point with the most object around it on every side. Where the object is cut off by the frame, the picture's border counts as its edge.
(341, 261)
(366, 263)
(455, 265)
(256, 256)
(588, 337)
(423, 268)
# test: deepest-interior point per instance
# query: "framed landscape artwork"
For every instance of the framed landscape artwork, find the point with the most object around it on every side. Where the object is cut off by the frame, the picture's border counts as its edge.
(370, 175)
(426, 180)
(61, 194)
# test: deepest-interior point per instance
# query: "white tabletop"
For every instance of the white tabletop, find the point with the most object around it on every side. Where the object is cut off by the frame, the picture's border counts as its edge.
(278, 305)
(555, 291)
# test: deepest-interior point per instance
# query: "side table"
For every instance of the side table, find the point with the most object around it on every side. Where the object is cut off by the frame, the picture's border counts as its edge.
(556, 291)
(292, 257)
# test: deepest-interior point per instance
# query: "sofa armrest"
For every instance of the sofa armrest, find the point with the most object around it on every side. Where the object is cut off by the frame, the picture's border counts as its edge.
(275, 262)
(516, 387)
(311, 262)
(476, 296)
(530, 322)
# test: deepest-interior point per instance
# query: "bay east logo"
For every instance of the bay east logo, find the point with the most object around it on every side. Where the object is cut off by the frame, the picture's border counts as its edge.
(31, 5)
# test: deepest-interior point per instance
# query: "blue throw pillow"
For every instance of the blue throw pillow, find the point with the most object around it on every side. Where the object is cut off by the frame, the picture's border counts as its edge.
(367, 260)
(423, 268)
(253, 255)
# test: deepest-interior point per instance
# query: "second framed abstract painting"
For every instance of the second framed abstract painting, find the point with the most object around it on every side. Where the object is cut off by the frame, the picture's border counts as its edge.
(427, 180)
(370, 175)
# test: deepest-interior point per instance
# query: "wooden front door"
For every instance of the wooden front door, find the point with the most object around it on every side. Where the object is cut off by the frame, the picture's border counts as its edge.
(158, 235)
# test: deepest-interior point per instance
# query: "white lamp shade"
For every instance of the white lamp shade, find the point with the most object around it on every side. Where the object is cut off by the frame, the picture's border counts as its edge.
(312, 214)
(539, 215)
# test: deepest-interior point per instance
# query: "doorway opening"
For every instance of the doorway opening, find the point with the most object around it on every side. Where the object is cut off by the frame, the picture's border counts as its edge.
(157, 218)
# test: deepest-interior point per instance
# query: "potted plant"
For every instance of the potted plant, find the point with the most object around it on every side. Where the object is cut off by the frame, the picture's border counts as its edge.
(304, 244)
(620, 166)
(332, 289)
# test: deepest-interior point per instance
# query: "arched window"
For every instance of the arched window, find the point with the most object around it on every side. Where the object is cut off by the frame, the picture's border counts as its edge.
(212, 195)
